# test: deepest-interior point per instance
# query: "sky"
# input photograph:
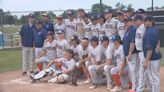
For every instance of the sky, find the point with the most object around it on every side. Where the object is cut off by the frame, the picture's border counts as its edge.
(41, 5)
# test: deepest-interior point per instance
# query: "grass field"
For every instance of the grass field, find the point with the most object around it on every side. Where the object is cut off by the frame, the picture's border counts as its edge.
(11, 60)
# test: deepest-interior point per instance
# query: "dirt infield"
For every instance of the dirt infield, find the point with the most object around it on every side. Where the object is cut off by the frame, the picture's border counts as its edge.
(15, 82)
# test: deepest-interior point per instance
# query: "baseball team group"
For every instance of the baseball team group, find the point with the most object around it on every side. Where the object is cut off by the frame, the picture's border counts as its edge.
(119, 49)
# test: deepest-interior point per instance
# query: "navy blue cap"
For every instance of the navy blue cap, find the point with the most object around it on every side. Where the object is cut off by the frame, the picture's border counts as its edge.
(38, 22)
(149, 18)
(74, 37)
(50, 33)
(31, 15)
(94, 38)
(116, 38)
(60, 31)
(119, 13)
(100, 16)
(127, 10)
(104, 38)
(70, 12)
(108, 11)
(93, 17)
(138, 17)
(128, 19)
(85, 15)
(140, 11)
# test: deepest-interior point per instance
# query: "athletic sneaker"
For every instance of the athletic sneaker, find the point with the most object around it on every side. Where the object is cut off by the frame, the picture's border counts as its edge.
(116, 89)
(92, 87)
(109, 87)
(87, 81)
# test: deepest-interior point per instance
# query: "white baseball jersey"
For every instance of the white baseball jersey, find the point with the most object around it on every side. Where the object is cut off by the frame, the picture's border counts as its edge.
(59, 27)
(110, 27)
(119, 56)
(61, 46)
(50, 47)
(75, 49)
(109, 51)
(97, 54)
(85, 52)
(121, 29)
(67, 65)
(70, 28)
(95, 29)
(139, 36)
(87, 29)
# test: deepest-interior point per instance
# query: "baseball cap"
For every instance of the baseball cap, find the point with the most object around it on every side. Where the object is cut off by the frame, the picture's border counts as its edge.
(93, 17)
(31, 15)
(119, 13)
(45, 14)
(106, 11)
(116, 38)
(138, 17)
(149, 18)
(140, 11)
(85, 15)
(127, 10)
(59, 17)
(50, 33)
(94, 38)
(100, 16)
(127, 19)
(60, 31)
(38, 22)
(74, 37)
(104, 38)
(70, 12)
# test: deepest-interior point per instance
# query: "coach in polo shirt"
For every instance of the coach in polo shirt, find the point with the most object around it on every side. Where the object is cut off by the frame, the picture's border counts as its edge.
(26, 42)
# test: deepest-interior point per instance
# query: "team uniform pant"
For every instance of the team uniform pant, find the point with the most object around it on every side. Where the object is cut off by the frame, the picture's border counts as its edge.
(123, 79)
(96, 75)
(132, 64)
(142, 73)
(107, 70)
(154, 75)
(28, 58)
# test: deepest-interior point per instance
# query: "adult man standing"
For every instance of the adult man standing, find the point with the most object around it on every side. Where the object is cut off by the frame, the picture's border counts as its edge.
(26, 42)
(46, 23)
(152, 54)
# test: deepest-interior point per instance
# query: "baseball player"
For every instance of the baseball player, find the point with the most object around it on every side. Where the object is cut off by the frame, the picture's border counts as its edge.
(130, 51)
(46, 23)
(26, 42)
(75, 46)
(48, 51)
(62, 74)
(101, 19)
(70, 24)
(138, 43)
(62, 44)
(84, 53)
(59, 25)
(87, 26)
(127, 13)
(110, 26)
(95, 27)
(120, 68)
(80, 14)
(40, 34)
(95, 60)
(120, 25)
(108, 58)
(152, 54)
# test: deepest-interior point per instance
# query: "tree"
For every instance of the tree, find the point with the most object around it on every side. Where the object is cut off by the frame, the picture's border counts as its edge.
(120, 6)
(96, 8)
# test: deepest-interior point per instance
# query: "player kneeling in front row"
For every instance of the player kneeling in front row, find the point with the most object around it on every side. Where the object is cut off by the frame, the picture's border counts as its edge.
(120, 60)
(62, 73)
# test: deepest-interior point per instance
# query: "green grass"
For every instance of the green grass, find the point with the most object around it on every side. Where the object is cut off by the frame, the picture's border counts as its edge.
(11, 60)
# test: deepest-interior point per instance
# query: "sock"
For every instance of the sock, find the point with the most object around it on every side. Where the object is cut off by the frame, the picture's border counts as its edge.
(116, 79)
(40, 66)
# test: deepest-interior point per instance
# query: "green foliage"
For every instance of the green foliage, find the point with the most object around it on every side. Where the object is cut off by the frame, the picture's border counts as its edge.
(96, 8)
